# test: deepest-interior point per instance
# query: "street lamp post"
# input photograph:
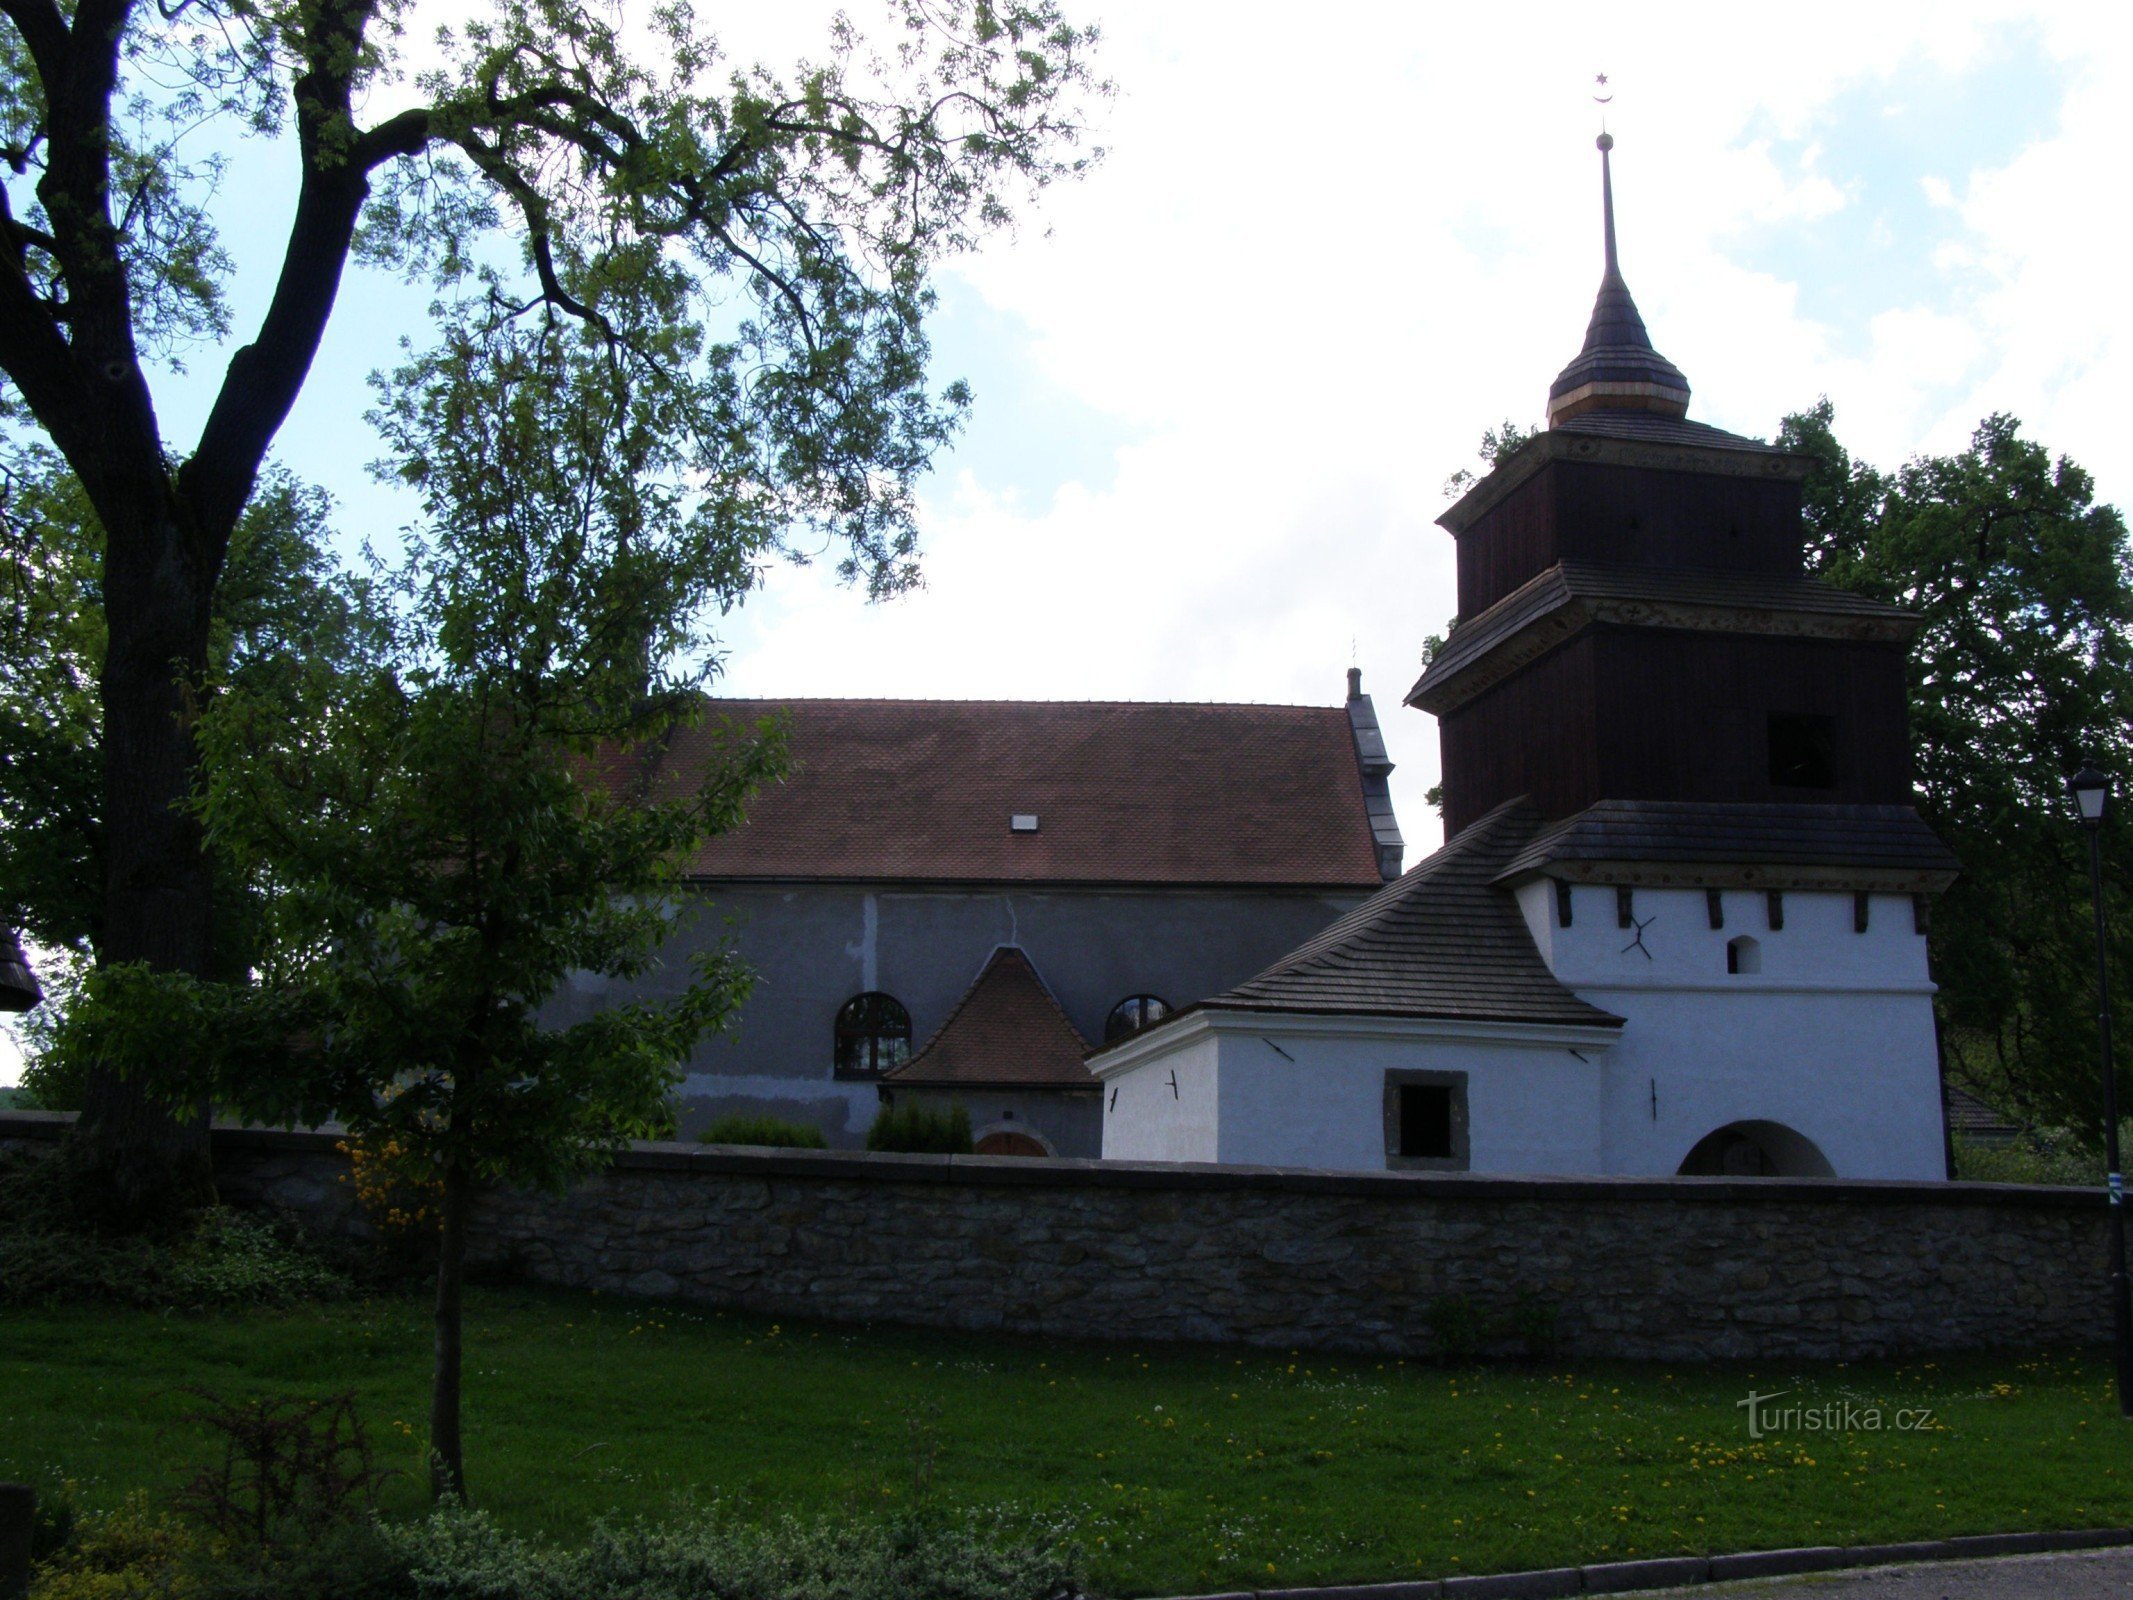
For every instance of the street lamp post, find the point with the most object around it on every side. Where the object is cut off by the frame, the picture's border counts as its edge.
(2092, 795)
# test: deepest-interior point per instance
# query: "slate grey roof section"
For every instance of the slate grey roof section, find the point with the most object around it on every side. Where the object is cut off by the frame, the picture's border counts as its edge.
(1648, 427)
(1438, 942)
(1573, 593)
(1872, 840)
(1376, 764)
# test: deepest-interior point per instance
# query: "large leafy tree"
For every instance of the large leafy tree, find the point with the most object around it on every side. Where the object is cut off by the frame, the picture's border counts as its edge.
(280, 598)
(2022, 672)
(569, 151)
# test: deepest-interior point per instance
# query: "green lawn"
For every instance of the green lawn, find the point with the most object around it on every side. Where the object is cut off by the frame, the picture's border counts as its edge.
(1183, 1469)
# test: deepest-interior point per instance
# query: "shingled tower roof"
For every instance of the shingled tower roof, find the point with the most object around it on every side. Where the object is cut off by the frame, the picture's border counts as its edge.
(1618, 370)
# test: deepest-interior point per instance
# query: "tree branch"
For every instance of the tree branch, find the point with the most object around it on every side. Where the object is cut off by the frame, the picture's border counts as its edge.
(264, 377)
(44, 32)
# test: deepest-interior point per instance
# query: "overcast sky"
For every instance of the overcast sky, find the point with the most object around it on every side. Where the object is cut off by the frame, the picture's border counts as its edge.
(1220, 383)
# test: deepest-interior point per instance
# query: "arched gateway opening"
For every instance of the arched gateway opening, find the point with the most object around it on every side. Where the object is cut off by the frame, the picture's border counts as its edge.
(1756, 1150)
(1004, 1143)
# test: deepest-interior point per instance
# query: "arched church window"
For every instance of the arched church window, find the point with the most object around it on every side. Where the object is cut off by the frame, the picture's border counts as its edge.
(873, 1035)
(1135, 1012)
(1744, 955)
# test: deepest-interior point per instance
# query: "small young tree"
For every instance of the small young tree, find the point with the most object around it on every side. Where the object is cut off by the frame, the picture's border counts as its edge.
(459, 821)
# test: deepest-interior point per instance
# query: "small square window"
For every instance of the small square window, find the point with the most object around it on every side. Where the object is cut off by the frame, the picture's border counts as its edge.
(1426, 1120)
(1803, 752)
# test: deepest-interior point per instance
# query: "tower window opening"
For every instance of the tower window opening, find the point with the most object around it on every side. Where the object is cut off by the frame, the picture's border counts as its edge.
(1803, 752)
(1743, 955)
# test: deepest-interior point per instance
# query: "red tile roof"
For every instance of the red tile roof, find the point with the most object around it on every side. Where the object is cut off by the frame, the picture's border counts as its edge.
(1122, 793)
(1006, 1030)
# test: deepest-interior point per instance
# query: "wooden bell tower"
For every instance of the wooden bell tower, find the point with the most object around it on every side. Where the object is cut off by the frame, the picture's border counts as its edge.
(1634, 621)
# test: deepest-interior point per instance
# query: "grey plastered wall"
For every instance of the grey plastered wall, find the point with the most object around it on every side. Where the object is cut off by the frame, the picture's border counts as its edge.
(1675, 1269)
(814, 945)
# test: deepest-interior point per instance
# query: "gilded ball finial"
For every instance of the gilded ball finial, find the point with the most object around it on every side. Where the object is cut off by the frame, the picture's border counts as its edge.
(1606, 141)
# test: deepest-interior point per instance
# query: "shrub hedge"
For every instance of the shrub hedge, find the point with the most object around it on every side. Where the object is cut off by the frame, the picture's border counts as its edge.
(741, 1128)
(922, 1129)
(459, 1554)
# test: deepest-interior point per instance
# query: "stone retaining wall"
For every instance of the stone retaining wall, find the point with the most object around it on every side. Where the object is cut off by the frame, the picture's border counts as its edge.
(1676, 1269)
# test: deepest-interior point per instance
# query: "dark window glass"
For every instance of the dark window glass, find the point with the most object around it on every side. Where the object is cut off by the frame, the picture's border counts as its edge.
(873, 1035)
(1134, 1013)
(1426, 1120)
(1803, 752)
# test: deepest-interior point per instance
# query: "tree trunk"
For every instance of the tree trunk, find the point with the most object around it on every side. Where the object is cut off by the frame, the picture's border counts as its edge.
(447, 1458)
(138, 1164)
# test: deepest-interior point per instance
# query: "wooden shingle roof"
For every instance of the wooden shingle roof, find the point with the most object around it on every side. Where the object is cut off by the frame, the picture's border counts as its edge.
(1441, 941)
(1548, 608)
(1647, 427)
(1806, 840)
(1122, 793)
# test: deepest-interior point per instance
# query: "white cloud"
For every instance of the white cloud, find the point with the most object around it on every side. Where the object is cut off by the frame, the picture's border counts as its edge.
(1321, 260)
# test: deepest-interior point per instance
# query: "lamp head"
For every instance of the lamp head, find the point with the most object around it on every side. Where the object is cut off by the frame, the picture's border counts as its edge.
(2092, 794)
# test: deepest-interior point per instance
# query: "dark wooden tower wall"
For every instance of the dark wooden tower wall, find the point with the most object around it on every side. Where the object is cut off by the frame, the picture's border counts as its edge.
(1634, 624)
(1598, 511)
(1629, 714)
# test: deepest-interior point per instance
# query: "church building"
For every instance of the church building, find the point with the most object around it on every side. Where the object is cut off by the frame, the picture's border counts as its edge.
(956, 901)
(1679, 925)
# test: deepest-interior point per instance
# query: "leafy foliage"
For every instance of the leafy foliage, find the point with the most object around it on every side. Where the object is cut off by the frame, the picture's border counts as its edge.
(460, 1555)
(915, 1127)
(1498, 444)
(2020, 674)
(219, 1259)
(130, 1553)
(280, 600)
(742, 1128)
(2055, 1156)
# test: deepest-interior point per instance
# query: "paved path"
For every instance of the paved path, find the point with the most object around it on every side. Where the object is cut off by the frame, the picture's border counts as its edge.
(2075, 1575)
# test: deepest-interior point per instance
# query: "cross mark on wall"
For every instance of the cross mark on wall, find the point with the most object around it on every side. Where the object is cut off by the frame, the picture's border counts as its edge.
(1637, 940)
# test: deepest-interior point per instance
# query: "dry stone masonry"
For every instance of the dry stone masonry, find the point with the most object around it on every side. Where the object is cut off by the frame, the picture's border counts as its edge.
(1678, 1269)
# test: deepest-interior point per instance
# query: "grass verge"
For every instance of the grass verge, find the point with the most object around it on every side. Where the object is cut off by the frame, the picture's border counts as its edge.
(1183, 1469)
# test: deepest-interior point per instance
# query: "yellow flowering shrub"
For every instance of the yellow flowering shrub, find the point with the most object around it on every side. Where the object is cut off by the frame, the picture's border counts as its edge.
(396, 1193)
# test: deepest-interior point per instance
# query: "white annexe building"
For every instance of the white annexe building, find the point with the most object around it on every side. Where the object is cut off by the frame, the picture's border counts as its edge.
(1680, 923)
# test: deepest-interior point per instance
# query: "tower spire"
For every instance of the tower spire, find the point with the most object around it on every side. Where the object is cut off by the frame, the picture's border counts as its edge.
(1617, 370)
